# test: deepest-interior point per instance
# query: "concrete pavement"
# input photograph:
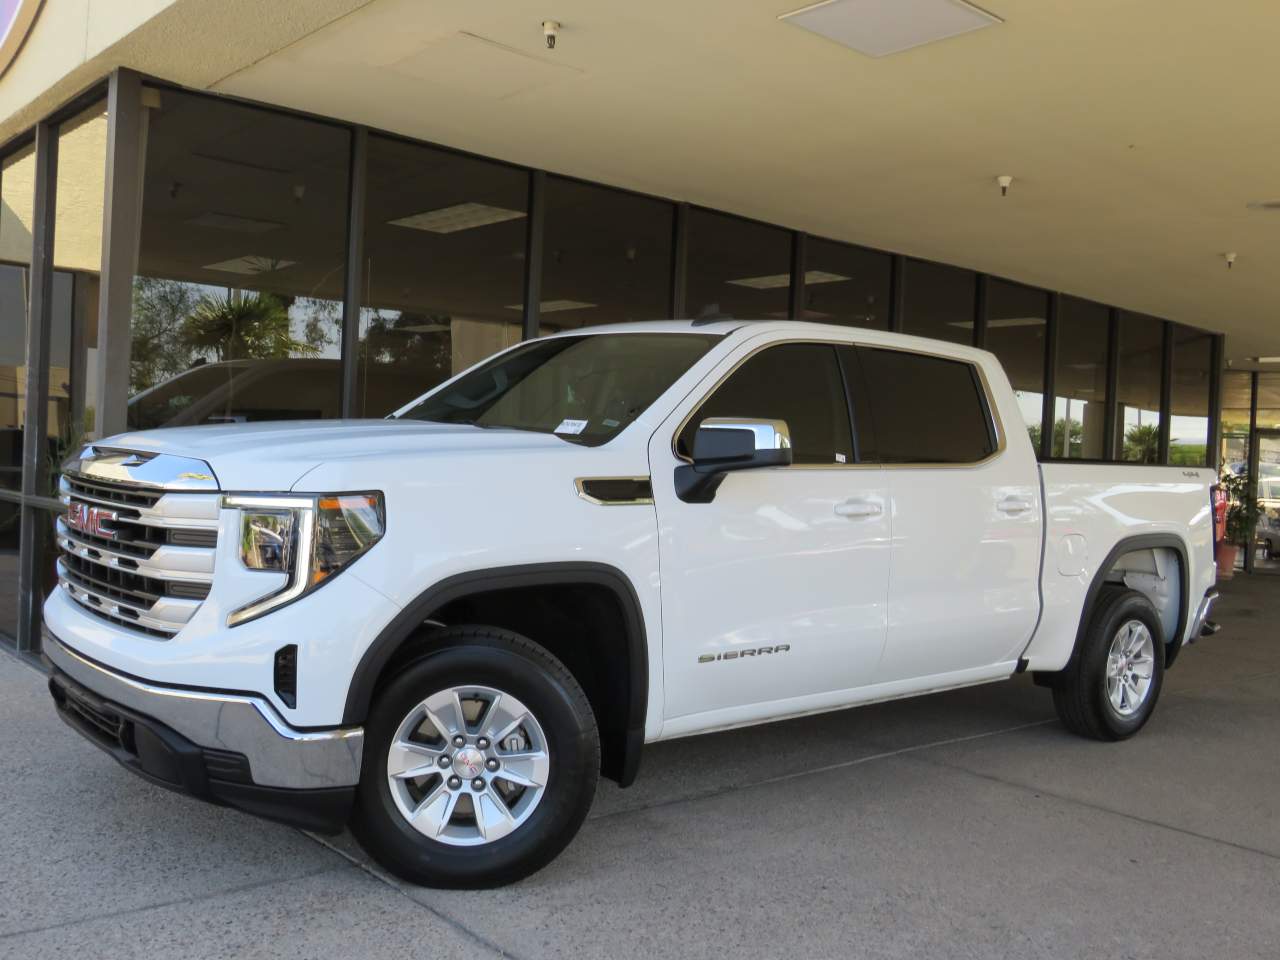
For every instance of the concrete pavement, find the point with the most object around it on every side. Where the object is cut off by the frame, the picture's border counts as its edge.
(967, 824)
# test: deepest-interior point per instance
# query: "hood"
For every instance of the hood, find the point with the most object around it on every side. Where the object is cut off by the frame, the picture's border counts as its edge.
(276, 455)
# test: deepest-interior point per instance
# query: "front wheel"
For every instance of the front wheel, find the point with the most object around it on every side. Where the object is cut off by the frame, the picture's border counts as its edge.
(1110, 688)
(480, 762)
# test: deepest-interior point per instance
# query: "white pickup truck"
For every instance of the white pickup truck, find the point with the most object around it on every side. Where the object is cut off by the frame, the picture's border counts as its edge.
(441, 628)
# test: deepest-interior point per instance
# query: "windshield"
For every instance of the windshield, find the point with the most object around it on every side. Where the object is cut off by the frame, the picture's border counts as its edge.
(585, 389)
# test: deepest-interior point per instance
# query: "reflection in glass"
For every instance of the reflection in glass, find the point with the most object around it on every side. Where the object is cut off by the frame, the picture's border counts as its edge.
(1080, 380)
(1236, 400)
(237, 306)
(1138, 404)
(737, 268)
(583, 389)
(443, 272)
(606, 257)
(1016, 325)
(77, 257)
(16, 183)
(938, 301)
(1189, 398)
(846, 284)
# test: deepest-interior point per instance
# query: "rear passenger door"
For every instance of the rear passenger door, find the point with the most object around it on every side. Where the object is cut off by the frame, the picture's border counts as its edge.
(966, 518)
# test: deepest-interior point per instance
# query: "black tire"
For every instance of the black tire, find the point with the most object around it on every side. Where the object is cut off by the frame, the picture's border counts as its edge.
(1080, 691)
(508, 662)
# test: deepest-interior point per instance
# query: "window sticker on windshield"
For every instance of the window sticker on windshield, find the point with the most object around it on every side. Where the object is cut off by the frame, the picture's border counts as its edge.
(571, 426)
(611, 423)
(840, 458)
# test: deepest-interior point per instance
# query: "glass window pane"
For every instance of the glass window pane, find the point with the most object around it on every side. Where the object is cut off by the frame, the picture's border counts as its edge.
(10, 534)
(1016, 325)
(583, 388)
(925, 409)
(1236, 387)
(846, 284)
(443, 273)
(240, 268)
(938, 301)
(16, 183)
(1269, 401)
(1080, 380)
(737, 268)
(606, 256)
(77, 257)
(796, 382)
(1189, 416)
(1138, 404)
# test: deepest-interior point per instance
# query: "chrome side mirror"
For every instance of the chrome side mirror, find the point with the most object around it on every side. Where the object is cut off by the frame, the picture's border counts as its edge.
(725, 444)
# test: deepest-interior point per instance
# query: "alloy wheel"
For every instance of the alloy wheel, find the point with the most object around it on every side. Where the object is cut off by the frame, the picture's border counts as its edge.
(468, 765)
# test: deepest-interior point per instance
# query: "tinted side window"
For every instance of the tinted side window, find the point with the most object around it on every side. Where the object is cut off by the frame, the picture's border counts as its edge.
(926, 409)
(796, 382)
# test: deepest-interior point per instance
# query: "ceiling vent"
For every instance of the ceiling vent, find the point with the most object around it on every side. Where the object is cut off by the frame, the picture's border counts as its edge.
(881, 27)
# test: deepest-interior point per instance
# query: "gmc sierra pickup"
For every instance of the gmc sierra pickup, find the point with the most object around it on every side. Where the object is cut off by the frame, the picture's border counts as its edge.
(441, 628)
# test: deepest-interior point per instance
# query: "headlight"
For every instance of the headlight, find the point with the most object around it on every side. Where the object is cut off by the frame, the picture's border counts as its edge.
(308, 539)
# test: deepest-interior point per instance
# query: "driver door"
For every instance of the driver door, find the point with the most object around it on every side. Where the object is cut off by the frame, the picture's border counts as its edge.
(774, 593)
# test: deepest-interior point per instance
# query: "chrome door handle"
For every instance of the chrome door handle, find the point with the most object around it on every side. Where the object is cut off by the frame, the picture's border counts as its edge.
(1014, 505)
(853, 509)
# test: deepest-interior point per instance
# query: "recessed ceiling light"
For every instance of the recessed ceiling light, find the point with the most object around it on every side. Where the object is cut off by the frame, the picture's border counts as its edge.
(1266, 359)
(775, 280)
(237, 224)
(1001, 322)
(249, 265)
(881, 27)
(460, 216)
(554, 306)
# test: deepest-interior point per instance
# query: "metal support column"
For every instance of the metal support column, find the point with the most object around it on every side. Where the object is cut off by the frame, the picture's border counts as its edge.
(679, 259)
(35, 426)
(795, 296)
(1252, 461)
(533, 251)
(1213, 442)
(121, 225)
(1112, 437)
(897, 267)
(353, 288)
(980, 312)
(1050, 375)
(1166, 392)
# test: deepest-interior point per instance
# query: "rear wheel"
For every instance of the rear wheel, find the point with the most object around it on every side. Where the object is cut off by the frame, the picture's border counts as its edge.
(480, 762)
(1110, 688)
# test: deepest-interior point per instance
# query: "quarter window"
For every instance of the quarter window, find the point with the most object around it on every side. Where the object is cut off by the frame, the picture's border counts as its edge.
(796, 382)
(926, 409)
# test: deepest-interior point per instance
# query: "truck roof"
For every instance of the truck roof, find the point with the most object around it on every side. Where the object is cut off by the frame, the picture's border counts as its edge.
(799, 328)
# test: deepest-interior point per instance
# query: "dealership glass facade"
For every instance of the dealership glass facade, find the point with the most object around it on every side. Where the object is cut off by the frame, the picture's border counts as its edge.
(276, 266)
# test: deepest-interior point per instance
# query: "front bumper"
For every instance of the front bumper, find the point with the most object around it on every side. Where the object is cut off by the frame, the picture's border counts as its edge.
(231, 749)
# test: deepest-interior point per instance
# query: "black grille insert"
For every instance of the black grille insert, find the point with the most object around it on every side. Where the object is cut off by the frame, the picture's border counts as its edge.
(113, 493)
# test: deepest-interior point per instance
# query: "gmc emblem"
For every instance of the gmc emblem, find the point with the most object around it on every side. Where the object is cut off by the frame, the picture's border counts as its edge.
(90, 519)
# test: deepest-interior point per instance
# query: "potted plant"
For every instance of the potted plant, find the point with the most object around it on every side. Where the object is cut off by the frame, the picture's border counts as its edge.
(1242, 521)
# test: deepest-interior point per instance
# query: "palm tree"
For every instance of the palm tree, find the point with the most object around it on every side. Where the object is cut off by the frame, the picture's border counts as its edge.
(249, 326)
(1142, 444)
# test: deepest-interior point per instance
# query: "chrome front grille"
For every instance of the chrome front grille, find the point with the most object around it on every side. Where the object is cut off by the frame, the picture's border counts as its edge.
(139, 556)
